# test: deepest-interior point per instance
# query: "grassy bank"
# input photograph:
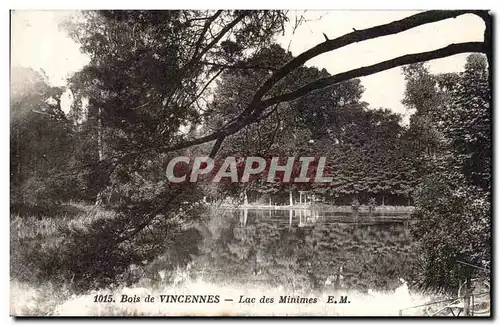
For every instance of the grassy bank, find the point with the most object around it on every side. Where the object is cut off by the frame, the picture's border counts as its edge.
(39, 245)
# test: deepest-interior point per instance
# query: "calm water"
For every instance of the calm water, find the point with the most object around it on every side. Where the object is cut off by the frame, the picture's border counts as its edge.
(303, 249)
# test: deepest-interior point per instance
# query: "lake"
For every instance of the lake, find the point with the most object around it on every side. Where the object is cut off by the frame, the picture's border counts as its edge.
(305, 250)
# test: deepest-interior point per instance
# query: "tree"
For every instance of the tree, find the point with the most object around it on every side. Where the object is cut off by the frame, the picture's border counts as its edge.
(467, 123)
(454, 201)
(41, 144)
(148, 70)
(423, 95)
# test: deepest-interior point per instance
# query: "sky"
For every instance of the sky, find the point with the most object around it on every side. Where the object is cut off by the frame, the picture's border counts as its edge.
(39, 43)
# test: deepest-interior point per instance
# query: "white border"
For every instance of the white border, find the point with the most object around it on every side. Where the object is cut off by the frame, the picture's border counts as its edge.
(190, 4)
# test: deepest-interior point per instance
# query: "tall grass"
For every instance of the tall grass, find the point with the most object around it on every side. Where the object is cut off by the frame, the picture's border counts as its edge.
(33, 227)
(38, 243)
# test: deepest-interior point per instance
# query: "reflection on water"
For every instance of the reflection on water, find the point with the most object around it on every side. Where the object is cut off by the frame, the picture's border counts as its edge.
(307, 217)
(303, 249)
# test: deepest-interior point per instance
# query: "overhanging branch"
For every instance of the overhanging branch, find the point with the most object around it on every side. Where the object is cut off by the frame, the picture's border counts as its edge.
(324, 82)
(392, 28)
(257, 106)
(449, 50)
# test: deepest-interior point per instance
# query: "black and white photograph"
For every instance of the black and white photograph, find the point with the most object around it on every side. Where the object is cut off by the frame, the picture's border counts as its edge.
(249, 163)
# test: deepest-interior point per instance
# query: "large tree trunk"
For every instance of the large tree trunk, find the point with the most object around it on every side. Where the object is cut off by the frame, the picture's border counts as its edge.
(100, 150)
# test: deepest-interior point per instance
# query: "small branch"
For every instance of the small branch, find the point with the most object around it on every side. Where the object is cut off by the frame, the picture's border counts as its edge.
(203, 32)
(219, 36)
(256, 67)
(141, 106)
(217, 146)
(205, 87)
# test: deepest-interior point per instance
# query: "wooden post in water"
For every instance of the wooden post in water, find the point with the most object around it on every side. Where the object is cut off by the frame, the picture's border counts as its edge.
(245, 216)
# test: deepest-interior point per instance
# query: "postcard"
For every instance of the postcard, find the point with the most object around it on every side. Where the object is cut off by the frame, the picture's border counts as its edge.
(250, 163)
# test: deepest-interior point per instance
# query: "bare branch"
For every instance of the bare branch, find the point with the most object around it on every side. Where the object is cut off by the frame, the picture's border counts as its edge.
(354, 37)
(321, 83)
(449, 50)
(257, 106)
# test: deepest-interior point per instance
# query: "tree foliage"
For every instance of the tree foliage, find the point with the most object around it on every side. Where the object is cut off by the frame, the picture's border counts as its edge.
(41, 145)
(454, 201)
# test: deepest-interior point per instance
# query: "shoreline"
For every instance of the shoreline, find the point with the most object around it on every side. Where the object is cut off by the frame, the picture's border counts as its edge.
(323, 208)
